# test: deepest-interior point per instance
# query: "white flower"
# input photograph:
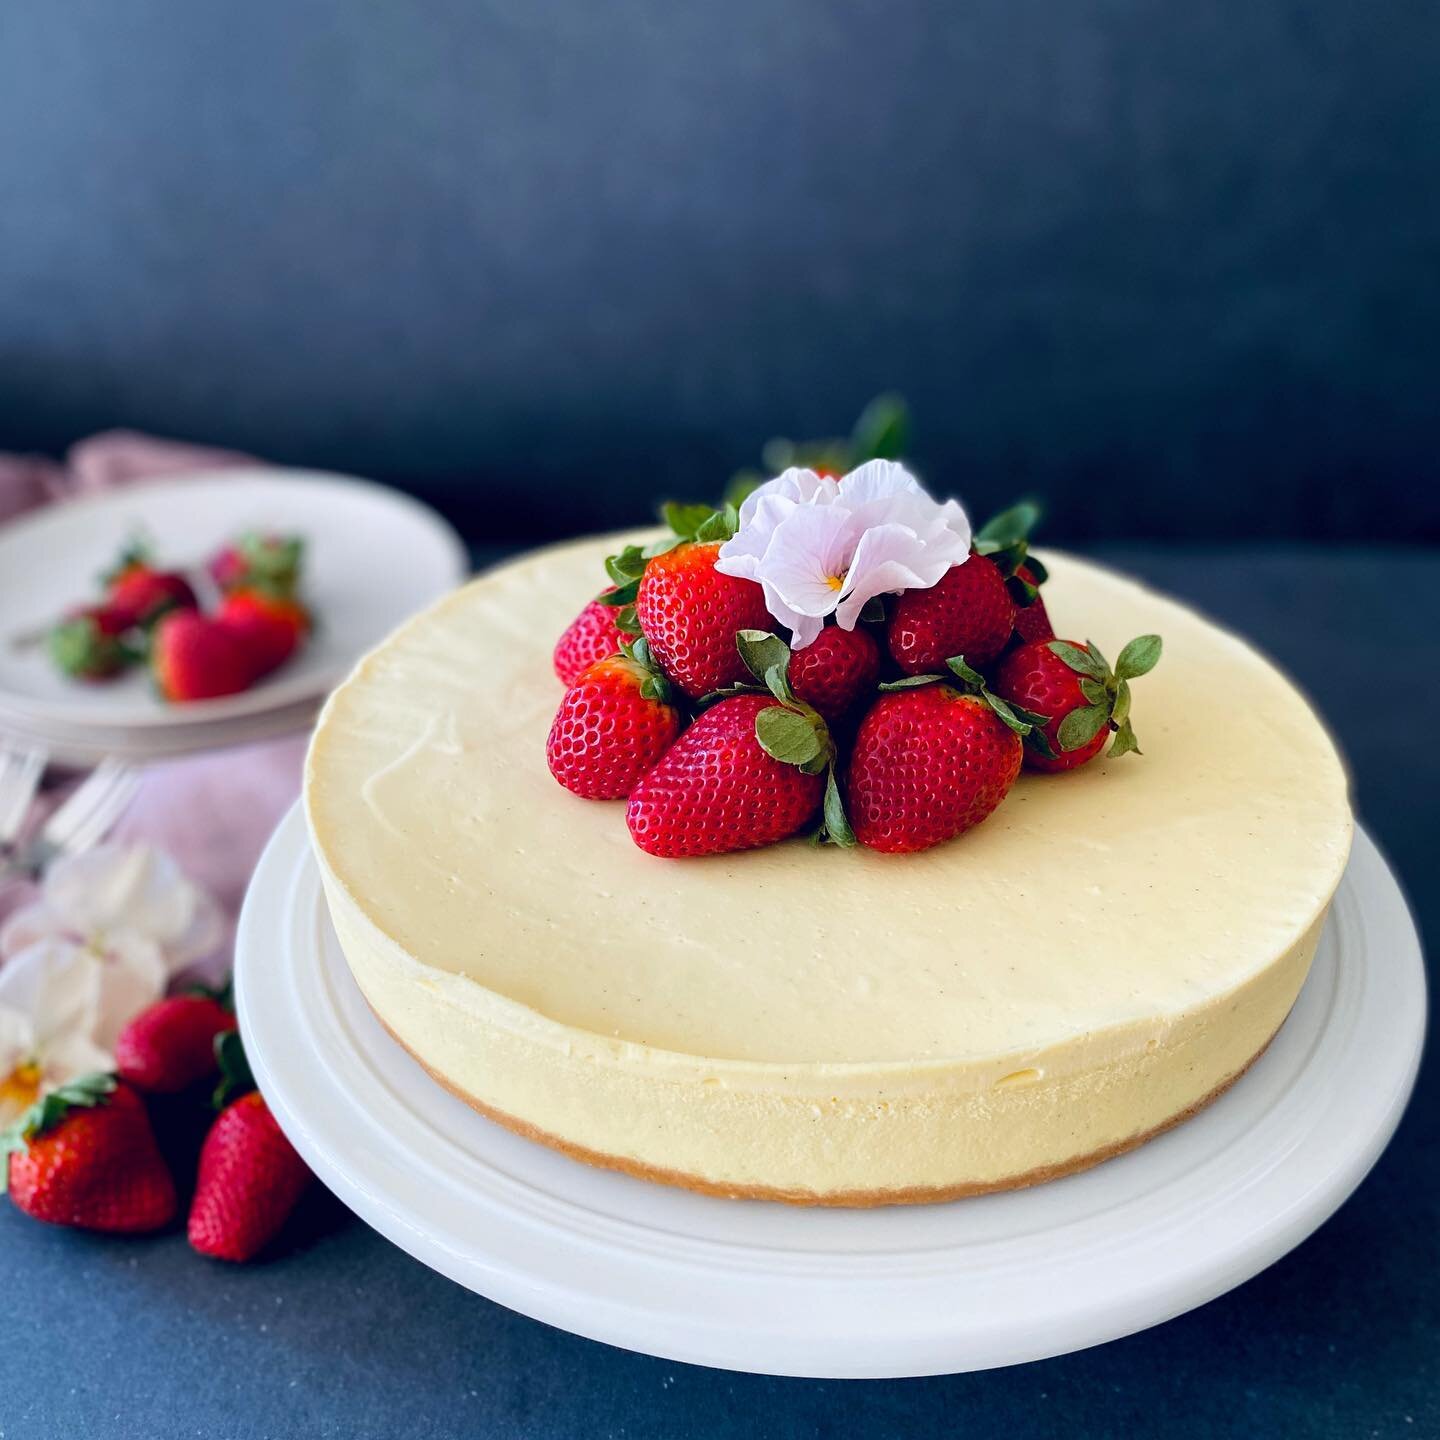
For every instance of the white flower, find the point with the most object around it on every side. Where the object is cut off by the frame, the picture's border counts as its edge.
(49, 1005)
(132, 911)
(819, 547)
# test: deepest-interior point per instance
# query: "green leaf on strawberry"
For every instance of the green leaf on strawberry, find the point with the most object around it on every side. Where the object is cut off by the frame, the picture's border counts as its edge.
(1106, 691)
(1009, 527)
(235, 1076)
(1139, 657)
(1021, 721)
(762, 652)
(47, 1112)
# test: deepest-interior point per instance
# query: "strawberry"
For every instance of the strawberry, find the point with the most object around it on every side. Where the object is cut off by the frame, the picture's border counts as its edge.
(270, 561)
(1004, 540)
(721, 787)
(195, 657)
(1085, 700)
(969, 612)
(271, 625)
(88, 644)
(590, 636)
(930, 761)
(85, 1155)
(690, 614)
(835, 670)
(1032, 620)
(170, 1045)
(250, 1180)
(144, 594)
(614, 723)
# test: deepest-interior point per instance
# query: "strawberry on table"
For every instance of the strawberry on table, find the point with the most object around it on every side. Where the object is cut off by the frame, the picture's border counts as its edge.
(931, 760)
(89, 643)
(836, 670)
(272, 625)
(250, 1180)
(256, 558)
(197, 657)
(170, 1045)
(85, 1155)
(614, 723)
(970, 612)
(1074, 685)
(592, 635)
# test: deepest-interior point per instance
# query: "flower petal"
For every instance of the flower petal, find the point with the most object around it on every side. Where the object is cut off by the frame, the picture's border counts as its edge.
(56, 985)
(133, 975)
(72, 1055)
(29, 924)
(891, 558)
(877, 480)
(809, 552)
(17, 1041)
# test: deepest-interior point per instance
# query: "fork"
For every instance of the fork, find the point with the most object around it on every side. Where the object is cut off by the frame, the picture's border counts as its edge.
(20, 774)
(82, 821)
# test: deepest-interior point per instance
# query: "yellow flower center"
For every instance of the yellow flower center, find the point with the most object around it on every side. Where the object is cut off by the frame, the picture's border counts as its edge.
(835, 582)
(21, 1088)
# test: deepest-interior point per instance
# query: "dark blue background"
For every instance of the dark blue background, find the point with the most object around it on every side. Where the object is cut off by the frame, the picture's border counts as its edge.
(1176, 267)
(342, 1335)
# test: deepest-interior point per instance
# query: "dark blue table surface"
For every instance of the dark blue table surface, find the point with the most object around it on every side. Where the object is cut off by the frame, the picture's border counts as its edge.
(341, 1334)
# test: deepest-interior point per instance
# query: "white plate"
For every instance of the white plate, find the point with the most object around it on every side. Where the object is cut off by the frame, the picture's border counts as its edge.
(83, 747)
(833, 1293)
(372, 558)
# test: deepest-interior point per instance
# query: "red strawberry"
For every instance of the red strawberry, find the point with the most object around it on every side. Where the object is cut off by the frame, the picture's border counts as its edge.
(144, 594)
(1085, 700)
(271, 625)
(969, 612)
(929, 762)
(1005, 540)
(271, 561)
(1032, 620)
(718, 788)
(171, 1044)
(88, 644)
(614, 723)
(590, 636)
(85, 1155)
(194, 657)
(690, 614)
(250, 1180)
(835, 670)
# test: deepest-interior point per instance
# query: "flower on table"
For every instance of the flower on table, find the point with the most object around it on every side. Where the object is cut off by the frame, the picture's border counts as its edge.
(131, 911)
(49, 1007)
(819, 546)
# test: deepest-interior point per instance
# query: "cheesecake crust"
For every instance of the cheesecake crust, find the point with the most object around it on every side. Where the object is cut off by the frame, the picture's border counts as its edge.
(839, 1199)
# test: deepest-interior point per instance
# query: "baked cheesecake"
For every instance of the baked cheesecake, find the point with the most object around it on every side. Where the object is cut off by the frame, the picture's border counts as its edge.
(1103, 956)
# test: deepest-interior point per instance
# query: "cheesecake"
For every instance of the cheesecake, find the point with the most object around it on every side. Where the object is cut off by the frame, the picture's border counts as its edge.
(1101, 958)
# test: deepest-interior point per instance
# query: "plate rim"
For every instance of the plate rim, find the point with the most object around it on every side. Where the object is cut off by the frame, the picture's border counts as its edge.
(615, 1318)
(273, 694)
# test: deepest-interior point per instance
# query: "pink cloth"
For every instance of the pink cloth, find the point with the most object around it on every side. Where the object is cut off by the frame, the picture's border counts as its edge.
(212, 812)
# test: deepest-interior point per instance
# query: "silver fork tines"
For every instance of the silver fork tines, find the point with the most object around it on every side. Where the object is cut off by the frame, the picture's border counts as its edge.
(86, 816)
(20, 773)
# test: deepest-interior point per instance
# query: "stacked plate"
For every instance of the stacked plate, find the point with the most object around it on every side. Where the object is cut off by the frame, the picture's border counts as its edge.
(373, 556)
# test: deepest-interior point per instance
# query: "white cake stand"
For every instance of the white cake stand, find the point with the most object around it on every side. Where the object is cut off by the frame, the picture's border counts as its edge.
(833, 1293)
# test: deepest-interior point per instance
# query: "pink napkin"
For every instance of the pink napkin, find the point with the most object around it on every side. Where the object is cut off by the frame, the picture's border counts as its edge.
(212, 812)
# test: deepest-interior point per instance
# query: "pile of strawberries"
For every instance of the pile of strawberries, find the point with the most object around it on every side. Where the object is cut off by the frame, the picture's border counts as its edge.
(86, 1154)
(898, 735)
(148, 615)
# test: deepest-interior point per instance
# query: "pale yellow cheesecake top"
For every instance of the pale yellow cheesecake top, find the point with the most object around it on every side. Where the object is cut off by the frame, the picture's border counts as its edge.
(1087, 912)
